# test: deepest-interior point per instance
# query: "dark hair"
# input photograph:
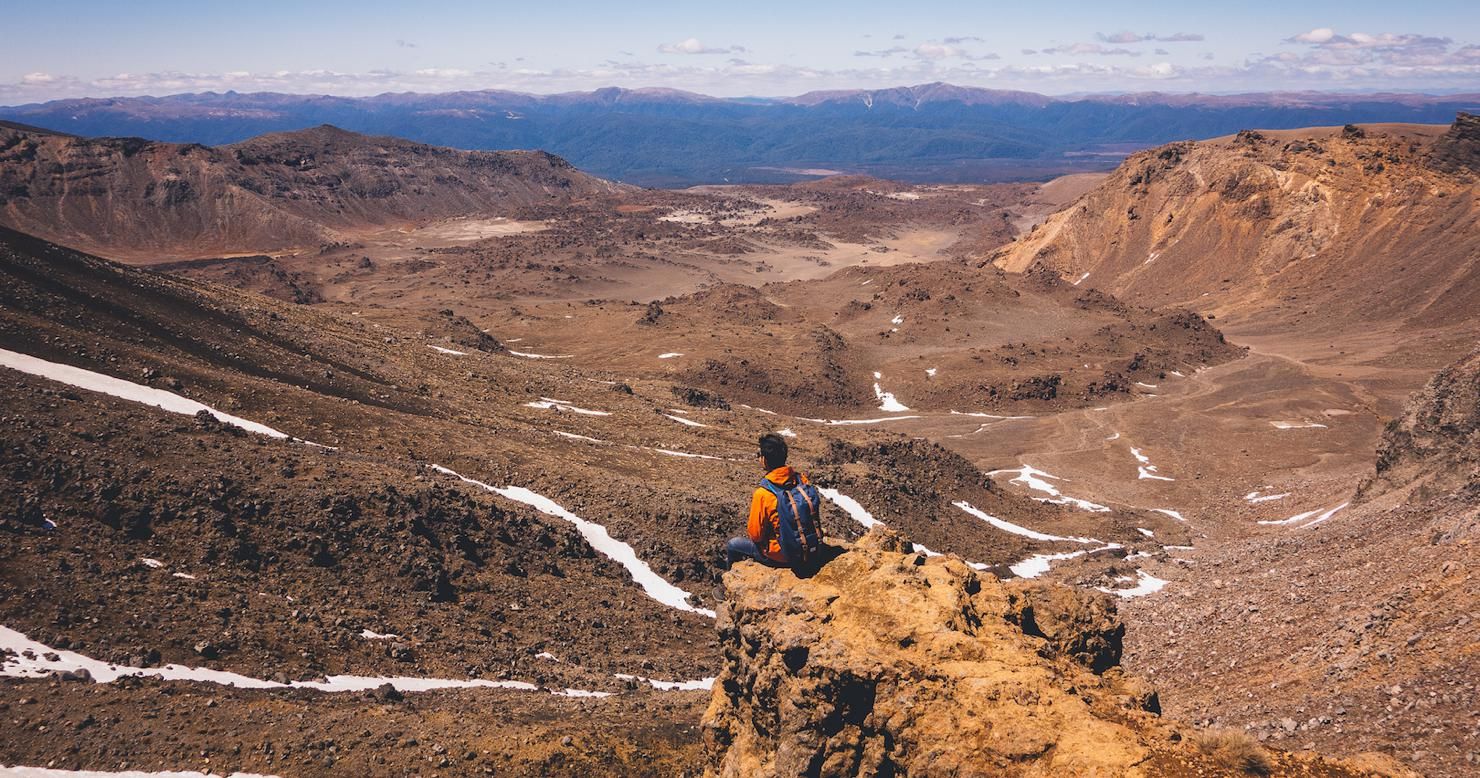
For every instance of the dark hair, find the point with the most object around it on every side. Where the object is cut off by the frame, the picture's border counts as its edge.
(773, 448)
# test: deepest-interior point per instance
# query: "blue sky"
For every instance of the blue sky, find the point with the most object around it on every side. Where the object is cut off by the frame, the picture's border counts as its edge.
(69, 49)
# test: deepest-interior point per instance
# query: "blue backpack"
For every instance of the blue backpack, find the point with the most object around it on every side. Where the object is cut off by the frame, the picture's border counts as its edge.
(798, 506)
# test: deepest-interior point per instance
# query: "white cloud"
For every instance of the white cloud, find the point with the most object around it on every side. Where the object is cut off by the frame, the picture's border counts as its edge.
(930, 51)
(38, 78)
(1081, 49)
(1126, 36)
(1318, 35)
(695, 46)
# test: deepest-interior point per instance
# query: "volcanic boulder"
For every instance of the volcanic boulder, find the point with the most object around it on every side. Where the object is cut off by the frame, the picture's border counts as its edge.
(1434, 446)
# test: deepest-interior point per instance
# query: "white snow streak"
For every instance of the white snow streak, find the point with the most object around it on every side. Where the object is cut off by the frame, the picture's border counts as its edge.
(844, 422)
(986, 415)
(126, 390)
(1299, 517)
(451, 352)
(1146, 470)
(545, 403)
(49, 772)
(670, 452)
(887, 402)
(670, 355)
(682, 420)
(1290, 425)
(1254, 497)
(671, 686)
(1146, 584)
(1015, 529)
(1028, 476)
(1326, 515)
(1168, 511)
(39, 665)
(851, 507)
(574, 436)
(653, 584)
(370, 634)
(528, 355)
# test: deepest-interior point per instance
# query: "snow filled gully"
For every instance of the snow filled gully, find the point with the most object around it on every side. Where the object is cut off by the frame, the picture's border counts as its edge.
(31, 659)
(128, 390)
(1039, 481)
(1032, 567)
(654, 585)
(50, 772)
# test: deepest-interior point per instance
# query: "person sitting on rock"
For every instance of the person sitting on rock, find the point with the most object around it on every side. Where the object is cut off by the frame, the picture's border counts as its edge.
(785, 526)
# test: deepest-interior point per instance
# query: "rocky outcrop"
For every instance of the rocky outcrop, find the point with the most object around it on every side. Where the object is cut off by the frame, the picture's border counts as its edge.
(893, 663)
(1459, 149)
(890, 663)
(1434, 447)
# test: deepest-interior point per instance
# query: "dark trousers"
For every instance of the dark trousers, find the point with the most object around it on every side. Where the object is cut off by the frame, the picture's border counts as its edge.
(744, 549)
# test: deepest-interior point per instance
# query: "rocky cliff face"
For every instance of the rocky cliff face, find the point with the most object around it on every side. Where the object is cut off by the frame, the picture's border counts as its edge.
(1372, 224)
(889, 663)
(1434, 447)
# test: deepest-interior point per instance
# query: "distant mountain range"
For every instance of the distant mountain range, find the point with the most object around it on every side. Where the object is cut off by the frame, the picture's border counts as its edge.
(663, 137)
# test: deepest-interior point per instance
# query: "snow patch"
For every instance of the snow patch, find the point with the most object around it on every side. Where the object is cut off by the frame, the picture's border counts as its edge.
(528, 355)
(452, 352)
(1146, 470)
(126, 390)
(546, 403)
(682, 420)
(154, 563)
(848, 422)
(1038, 564)
(786, 432)
(930, 372)
(1326, 515)
(574, 436)
(670, 452)
(987, 415)
(186, 576)
(653, 584)
(851, 507)
(702, 684)
(1291, 425)
(1016, 529)
(670, 355)
(1033, 478)
(370, 634)
(1299, 517)
(30, 660)
(1254, 497)
(49, 772)
(1146, 584)
(1169, 512)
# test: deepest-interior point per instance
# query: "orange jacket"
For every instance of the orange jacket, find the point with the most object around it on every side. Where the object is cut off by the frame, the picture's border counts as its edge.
(762, 527)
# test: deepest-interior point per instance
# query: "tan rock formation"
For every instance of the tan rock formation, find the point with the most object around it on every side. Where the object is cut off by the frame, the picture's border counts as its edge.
(887, 662)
